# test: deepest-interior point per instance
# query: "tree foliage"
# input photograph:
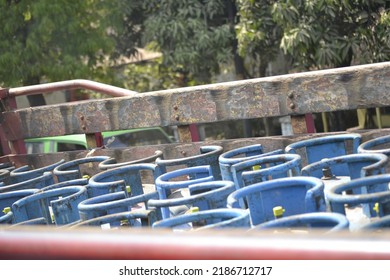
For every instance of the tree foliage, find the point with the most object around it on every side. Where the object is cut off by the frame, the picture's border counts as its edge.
(153, 76)
(52, 40)
(323, 33)
(195, 36)
(126, 20)
(257, 33)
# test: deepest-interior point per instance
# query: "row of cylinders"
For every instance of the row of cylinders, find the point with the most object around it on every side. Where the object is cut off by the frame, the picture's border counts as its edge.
(320, 182)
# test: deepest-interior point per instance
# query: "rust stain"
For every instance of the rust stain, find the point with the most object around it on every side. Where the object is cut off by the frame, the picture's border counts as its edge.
(45, 122)
(184, 134)
(322, 93)
(299, 124)
(12, 126)
(251, 101)
(195, 107)
(92, 118)
(139, 112)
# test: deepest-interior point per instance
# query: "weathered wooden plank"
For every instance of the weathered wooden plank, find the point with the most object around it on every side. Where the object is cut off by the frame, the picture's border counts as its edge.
(362, 86)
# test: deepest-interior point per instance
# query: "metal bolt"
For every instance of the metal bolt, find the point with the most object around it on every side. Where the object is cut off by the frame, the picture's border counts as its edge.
(292, 106)
(175, 107)
(328, 175)
(290, 95)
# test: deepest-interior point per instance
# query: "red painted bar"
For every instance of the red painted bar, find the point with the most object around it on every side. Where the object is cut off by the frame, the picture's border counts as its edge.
(71, 84)
(310, 123)
(148, 245)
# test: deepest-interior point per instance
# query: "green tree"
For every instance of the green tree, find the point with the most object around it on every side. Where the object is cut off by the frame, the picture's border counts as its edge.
(126, 18)
(321, 34)
(195, 36)
(46, 40)
(317, 34)
(334, 33)
(151, 76)
(258, 34)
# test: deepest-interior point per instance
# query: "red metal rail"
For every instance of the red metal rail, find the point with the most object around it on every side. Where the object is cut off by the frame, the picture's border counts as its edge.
(144, 245)
(67, 85)
(10, 94)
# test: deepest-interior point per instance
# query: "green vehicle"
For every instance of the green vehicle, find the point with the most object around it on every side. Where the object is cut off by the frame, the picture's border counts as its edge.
(111, 139)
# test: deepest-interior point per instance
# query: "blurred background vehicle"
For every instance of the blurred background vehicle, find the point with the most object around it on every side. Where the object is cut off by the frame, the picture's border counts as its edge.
(111, 139)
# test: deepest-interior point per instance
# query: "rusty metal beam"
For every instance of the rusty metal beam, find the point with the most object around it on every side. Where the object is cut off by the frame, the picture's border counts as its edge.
(184, 133)
(354, 87)
(299, 125)
(94, 140)
(4, 93)
(14, 146)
